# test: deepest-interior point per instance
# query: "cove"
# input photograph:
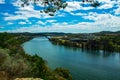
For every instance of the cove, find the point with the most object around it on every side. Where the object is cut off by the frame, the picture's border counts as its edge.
(83, 64)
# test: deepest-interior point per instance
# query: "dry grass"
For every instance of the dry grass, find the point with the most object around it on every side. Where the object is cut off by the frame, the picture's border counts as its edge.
(28, 79)
(3, 76)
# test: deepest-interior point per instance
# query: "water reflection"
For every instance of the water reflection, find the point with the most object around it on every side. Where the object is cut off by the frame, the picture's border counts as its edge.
(88, 51)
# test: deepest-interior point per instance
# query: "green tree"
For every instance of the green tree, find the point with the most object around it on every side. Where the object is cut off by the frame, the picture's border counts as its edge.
(51, 6)
(64, 73)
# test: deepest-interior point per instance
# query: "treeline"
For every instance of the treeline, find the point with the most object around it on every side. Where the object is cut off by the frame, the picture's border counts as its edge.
(109, 43)
(17, 64)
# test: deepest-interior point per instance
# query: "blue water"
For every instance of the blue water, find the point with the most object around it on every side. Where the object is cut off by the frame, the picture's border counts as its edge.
(83, 64)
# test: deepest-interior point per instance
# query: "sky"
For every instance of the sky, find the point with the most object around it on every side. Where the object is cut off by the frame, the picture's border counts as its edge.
(75, 18)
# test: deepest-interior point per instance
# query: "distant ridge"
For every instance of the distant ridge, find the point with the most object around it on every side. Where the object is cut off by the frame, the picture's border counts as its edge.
(108, 32)
(62, 34)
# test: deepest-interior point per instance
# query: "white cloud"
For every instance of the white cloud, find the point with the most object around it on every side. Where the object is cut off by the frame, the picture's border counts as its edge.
(72, 6)
(65, 23)
(101, 21)
(2, 1)
(104, 20)
(60, 14)
(47, 21)
(117, 11)
(22, 22)
(102, 17)
(79, 14)
(76, 5)
(51, 21)
(28, 22)
(40, 22)
(74, 28)
(108, 1)
(55, 28)
(97, 17)
(25, 13)
(6, 14)
(10, 23)
(106, 4)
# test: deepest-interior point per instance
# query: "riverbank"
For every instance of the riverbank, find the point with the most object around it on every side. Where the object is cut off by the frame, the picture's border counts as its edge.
(17, 64)
(107, 43)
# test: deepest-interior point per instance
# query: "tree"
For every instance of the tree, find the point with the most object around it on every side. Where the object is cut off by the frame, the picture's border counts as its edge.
(64, 73)
(51, 6)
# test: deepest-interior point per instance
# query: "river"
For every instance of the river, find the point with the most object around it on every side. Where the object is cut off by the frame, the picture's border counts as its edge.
(83, 64)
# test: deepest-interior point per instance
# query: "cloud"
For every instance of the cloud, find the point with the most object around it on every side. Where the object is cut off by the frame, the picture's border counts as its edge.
(101, 20)
(40, 22)
(51, 21)
(10, 23)
(60, 14)
(76, 5)
(65, 23)
(24, 13)
(97, 17)
(72, 6)
(28, 22)
(102, 17)
(117, 11)
(2, 1)
(106, 4)
(22, 22)
(47, 21)
(55, 28)
(80, 27)
(79, 14)
(105, 21)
